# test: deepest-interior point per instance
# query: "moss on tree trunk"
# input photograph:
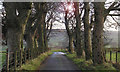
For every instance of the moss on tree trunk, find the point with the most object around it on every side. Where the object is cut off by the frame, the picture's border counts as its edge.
(79, 49)
(87, 32)
(97, 42)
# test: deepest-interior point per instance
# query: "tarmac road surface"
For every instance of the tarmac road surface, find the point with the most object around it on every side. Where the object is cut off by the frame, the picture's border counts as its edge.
(57, 61)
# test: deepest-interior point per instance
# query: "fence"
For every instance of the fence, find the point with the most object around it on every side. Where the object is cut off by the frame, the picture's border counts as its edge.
(112, 55)
(15, 59)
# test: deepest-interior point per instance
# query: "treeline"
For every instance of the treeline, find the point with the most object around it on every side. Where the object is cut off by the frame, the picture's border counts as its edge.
(31, 21)
(25, 21)
(85, 27)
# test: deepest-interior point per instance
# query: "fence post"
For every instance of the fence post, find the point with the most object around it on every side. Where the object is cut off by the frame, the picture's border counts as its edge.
(7, 60)
(20, 57)
(110, 55)
(15, 60)
(105, 55)
(116, 56)
(29, 54)
(25, 55)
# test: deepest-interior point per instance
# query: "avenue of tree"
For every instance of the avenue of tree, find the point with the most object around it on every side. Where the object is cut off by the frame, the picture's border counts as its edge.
(32, 22)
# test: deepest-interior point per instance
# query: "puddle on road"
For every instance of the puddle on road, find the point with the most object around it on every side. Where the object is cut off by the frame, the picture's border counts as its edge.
(59, 53)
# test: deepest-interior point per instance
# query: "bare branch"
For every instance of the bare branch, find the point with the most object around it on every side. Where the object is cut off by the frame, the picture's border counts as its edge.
(112, 6)
(114, 14)
(115, 20)
(50, 30)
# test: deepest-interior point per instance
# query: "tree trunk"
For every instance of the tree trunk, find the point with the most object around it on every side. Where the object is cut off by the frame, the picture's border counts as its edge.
(87, 32)
(69, 34)
(40, 29)
(14, 45)
(71, 50)
(13, 39)
(36, 47)
(41, 44)
(97, 44)
(45, 38)
(30, 44)
(41, 39)
(15, 24)
(79, 49)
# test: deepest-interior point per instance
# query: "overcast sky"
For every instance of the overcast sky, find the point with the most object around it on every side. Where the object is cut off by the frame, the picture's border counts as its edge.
(58, 25)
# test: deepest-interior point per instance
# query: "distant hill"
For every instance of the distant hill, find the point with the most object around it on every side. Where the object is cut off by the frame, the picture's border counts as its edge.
(59, 39)
(113, 38)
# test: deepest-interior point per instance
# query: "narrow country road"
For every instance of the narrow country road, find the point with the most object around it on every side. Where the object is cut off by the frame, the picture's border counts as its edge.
(57, 61)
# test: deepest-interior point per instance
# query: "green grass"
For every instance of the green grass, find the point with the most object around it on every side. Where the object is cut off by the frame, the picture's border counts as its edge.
(2, 55)
(113, 56)
(3, 58)
(88, 65)
(59, 50)
(35, 63)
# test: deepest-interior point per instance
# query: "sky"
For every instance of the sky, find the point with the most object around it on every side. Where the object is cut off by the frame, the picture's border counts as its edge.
(58, 25)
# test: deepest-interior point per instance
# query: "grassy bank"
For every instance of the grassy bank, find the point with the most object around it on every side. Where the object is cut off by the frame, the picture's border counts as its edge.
(59, 50)
(88, 65)
(35, 63)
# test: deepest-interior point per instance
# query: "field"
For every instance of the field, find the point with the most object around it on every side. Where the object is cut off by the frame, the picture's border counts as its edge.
(113, 57)
(2, 55)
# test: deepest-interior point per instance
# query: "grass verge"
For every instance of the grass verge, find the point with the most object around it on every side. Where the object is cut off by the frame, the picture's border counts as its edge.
(59, 50)
(35, 63)
(88, 65)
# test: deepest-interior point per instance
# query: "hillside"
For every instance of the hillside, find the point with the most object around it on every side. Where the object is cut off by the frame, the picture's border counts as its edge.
(58, 38)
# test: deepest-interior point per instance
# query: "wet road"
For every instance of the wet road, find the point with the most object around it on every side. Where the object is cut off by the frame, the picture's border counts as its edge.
(57, 61)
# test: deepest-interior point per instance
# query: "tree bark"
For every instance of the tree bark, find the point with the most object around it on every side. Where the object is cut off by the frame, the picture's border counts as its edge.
(79, 49)
(45, 37)
(71, 50)
(87, 32)
(14, 40)
(15, 24)
(71, 44)
(41, 44)
(97, 44)
(30, 44)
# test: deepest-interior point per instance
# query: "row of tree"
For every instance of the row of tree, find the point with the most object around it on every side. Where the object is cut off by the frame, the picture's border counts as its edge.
(25, 29)
(31, 21)
(84, 24)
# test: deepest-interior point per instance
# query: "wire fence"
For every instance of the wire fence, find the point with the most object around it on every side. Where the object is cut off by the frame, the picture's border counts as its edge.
(112, 55)
(15, 59)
